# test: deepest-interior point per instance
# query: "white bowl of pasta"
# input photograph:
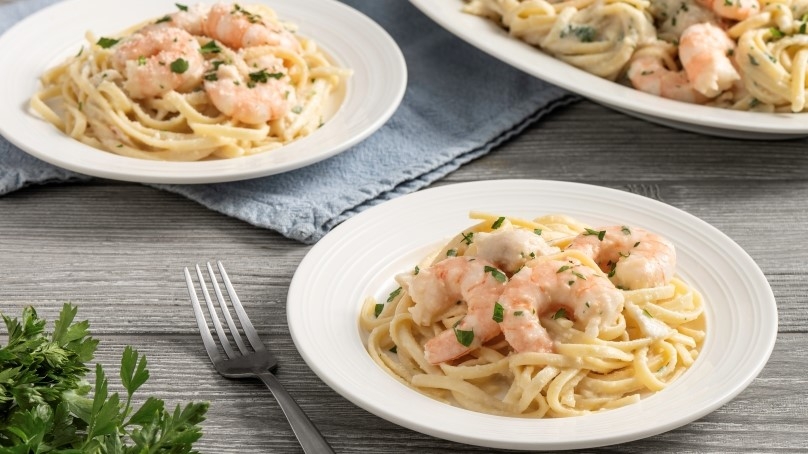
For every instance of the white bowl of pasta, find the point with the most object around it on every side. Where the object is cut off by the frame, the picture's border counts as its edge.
(605, 37)
(356, 266)
(161, 92)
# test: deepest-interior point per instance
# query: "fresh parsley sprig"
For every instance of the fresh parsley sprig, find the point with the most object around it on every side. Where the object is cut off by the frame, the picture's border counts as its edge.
(46, 406)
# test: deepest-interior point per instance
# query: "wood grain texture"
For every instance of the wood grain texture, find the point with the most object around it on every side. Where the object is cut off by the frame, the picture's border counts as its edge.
(117, 250)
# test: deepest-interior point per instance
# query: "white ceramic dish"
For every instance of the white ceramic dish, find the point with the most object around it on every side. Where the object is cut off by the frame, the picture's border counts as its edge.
(50, 35)
(492, 39)
(360, 257)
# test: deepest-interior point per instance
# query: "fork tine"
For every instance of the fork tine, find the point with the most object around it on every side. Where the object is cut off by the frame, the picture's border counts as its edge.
(226, 312)
(207, 339)
(249, 330)
(215, 317)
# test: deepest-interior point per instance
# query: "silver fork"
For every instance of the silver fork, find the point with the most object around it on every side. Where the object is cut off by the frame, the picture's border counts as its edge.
(245, 363)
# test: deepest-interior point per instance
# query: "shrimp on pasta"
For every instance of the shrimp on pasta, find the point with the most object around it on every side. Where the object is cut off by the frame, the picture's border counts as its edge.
(522, 318)
(734, 54)
(203, 82)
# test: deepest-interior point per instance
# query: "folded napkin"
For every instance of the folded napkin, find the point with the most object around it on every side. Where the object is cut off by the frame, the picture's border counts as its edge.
(459, 105)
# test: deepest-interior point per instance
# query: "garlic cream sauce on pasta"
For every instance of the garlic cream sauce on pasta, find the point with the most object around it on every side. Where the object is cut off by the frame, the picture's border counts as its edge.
(538, 318)
(204, 81)
(736, 54)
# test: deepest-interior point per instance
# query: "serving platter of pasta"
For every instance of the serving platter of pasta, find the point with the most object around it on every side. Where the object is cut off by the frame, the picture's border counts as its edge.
(734, 68)
(209, 91)
(532, 315)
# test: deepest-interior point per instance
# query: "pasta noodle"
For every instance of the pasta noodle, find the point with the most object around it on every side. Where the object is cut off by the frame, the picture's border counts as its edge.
(204, 82)
(653, 338)
(758, 62)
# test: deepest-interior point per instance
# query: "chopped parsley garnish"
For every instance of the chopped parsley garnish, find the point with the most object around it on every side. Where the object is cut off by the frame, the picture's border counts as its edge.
(416, 271)
(179, 66)
(561, 313)
(625, 230)
(537, 231)
(802, 28)
(377, 310)
(636, 244)
(776, 33)
(464, 337)
(613, 269)
(584, 33)
(165, 18)
(451, 253)
(393, 294)
(499, 313)
(297, 109)
(263, 76)
(495, 273)
(753, 61)
(646, 313)
(518, 313)
(579, 275)
(181, 7)
(106, 43)
(563, 268)
(468, 238)
(394, 349)
(211, 76)
(600, 234)
(498, 223)
(210, 48)
(141, 60)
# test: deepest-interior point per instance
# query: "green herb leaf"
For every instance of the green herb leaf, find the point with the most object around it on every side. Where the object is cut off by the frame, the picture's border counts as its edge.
(600, 234)
(451, 253)
(47, 406)
(393, 294)
(210, 48)
(537, 231)
(495, 273)
(464, 337)
(468, 238)
(377, 310)
(181, 7)
(625, 230)
(499, 312)
(563, 268)
(498, 223)
(646, 313)
(417, 270)
(165, 18)
(106, 43)
(179, 66)
(561, 313)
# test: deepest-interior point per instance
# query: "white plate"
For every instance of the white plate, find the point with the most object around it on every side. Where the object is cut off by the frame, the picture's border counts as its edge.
(360, 257)
(349, 37)
(492, 39)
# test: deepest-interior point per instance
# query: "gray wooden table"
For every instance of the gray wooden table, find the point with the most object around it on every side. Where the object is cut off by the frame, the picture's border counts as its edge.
(117, 251)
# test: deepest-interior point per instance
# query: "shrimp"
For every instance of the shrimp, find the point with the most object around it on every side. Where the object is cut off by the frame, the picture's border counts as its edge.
(192, 19)
(510, 248)
(549, 285)
(238, 28)
(703, 50)
(253, 99)
(708, 70)
(648, 73)
(633, 258)
(733, 9)
(439, 287)
(156, 60)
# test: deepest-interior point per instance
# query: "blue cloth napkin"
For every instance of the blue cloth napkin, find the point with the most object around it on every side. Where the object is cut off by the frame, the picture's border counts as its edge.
(459, 105)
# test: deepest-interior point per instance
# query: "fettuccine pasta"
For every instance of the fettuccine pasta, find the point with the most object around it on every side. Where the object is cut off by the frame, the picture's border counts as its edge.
(528, 318)
(203, 82)
(737, 54)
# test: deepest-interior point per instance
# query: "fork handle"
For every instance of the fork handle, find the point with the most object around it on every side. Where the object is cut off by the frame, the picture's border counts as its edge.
(309, 437)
